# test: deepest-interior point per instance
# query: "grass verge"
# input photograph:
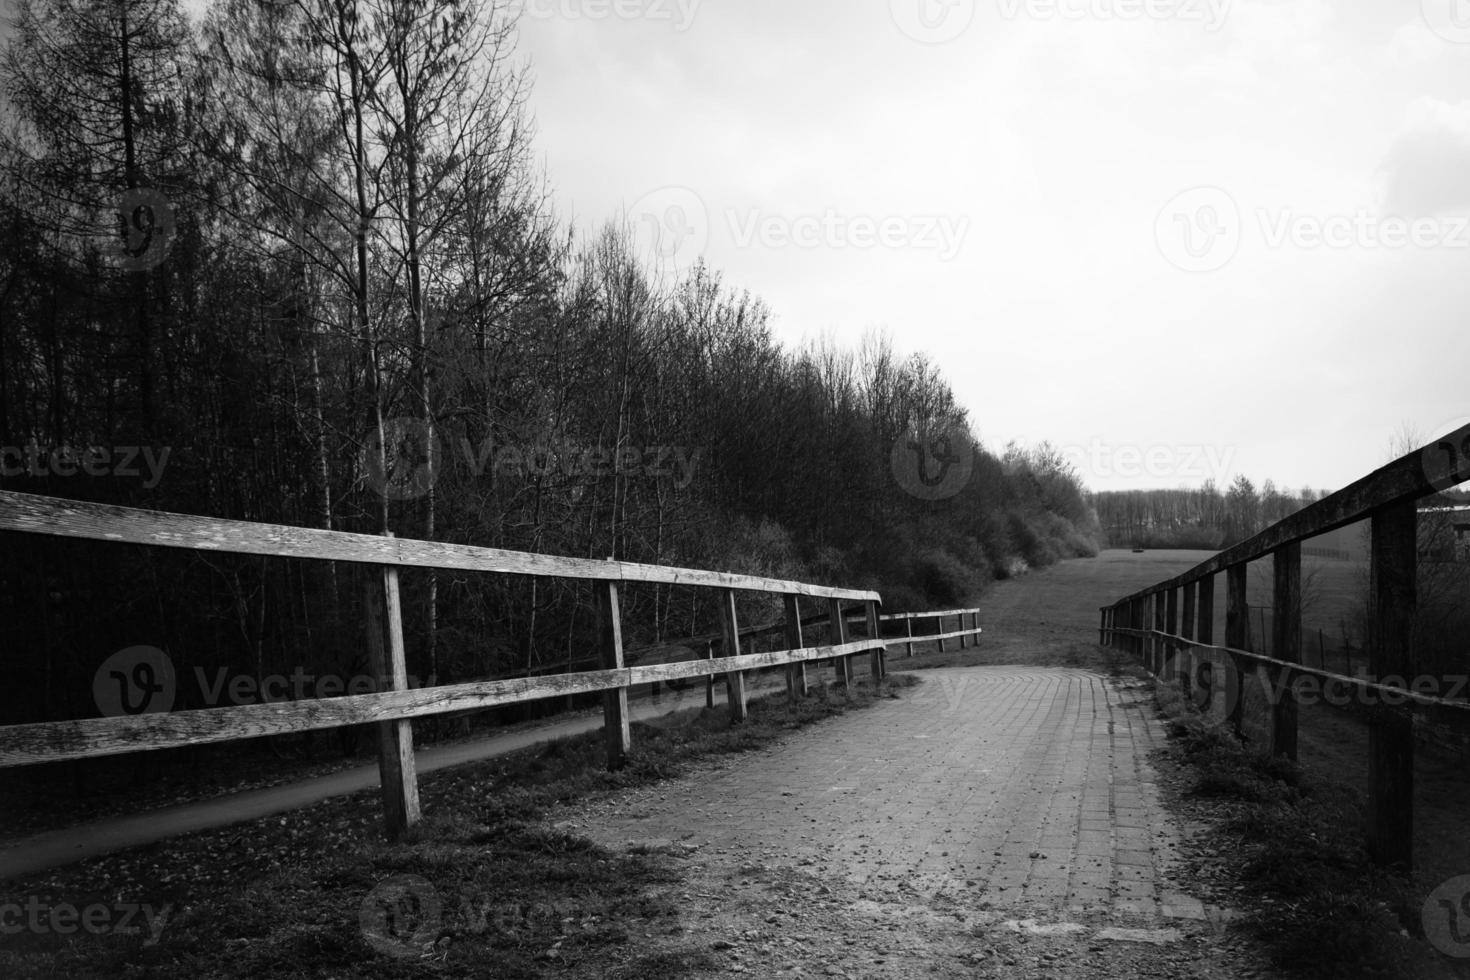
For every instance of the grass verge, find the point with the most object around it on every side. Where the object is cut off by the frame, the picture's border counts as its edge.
(1297, 839)
(481, 888)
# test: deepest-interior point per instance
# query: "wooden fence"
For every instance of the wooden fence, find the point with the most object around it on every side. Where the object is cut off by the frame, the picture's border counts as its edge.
(1170, 626)
(394, 707)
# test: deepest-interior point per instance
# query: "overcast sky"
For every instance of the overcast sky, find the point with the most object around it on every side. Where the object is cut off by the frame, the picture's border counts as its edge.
(1180, 238)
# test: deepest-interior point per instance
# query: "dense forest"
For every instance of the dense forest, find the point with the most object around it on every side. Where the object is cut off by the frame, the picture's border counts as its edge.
(292, 262)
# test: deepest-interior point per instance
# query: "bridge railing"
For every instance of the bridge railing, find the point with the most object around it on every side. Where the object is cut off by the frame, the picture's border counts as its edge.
(1170, 625)
(394, 706)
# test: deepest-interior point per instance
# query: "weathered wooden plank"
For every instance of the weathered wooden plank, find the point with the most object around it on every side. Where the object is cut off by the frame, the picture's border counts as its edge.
(1171, 627)
(1443, 464)
(1393, 591)
(841, 665)
(709, 681)
(32, 514)
(892, 617)
(615, 727)
(1187, 618)
(735, 679)
(1286, 644)
(797, 685)
(58, 741)
(952, 634)
(875, 632)
(1389, 697)
(1159, 650)
(387, 659)
(1206, 631)
(1237, 633)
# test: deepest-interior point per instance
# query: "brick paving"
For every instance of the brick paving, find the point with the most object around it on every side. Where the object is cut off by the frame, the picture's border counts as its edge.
(1021, 789)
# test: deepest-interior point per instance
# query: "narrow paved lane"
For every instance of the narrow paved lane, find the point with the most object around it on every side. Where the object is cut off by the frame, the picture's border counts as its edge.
(1026, 788)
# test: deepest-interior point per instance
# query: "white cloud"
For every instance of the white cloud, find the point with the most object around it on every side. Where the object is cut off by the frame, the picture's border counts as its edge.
(1427, 169)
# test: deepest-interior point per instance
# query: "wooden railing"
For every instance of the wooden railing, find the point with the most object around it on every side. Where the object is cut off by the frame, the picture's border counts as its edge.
(393, 707)
(1171, 627)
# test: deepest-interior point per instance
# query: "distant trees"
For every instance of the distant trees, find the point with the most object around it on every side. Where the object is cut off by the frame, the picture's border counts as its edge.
(1201, 518)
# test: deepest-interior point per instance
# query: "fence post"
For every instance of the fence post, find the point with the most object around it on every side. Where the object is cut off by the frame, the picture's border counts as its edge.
(1393, 589)
(615, 728)
(908, 631)
(735, 679)
(1186, 630)
(1237, 634)
(1205, 631)
(1171, 626)
(939, 631)
(1286, 644)
(396, 771)
(796, 683)
(1157, 656)
(1102, 627)
(839, 637)
(709, 679)
(875, 631)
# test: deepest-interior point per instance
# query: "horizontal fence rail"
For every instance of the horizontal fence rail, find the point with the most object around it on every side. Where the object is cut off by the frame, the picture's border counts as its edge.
(393, 709)
(105, 522)
(1170, 626)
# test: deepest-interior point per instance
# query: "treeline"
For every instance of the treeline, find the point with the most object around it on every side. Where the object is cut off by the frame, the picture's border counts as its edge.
(298, 252)
(1205, 518)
